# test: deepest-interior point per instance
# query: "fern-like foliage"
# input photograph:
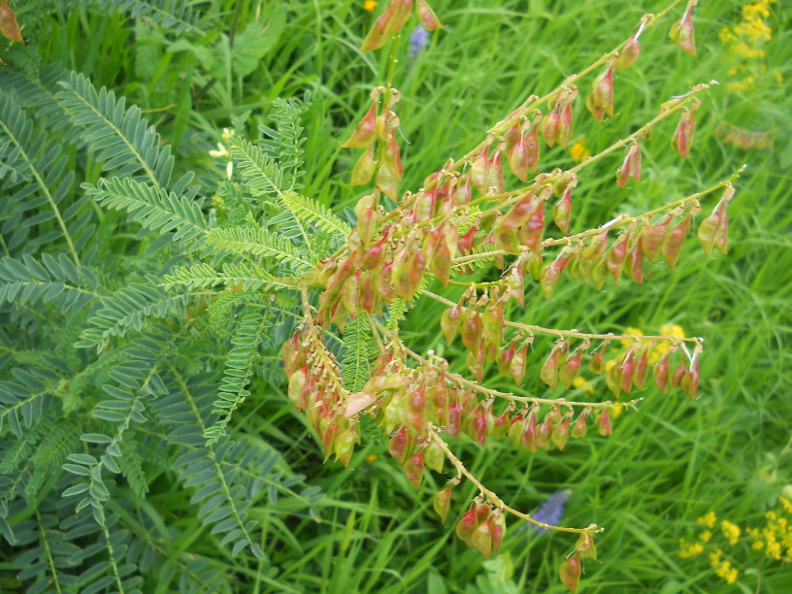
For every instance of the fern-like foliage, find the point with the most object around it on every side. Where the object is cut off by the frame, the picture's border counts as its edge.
(284, 142)
(177, 15)
(312, 211)
(239, 368)
(124, 141)
(247, 277)
(259, 242)
(358, 351)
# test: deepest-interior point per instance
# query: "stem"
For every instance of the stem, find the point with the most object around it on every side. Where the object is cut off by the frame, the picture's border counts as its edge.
(493, 498)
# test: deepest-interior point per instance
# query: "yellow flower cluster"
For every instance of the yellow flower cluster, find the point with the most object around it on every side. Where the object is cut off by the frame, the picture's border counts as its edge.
(744, 42)
(687, 550)
(775, 538)
(730, 531)
(723, 569)
(578, 152)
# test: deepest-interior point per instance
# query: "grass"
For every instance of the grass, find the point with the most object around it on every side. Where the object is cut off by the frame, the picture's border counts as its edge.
(667, 463)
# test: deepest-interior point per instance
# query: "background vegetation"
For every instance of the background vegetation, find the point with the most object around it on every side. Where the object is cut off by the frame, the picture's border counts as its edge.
(667, 464)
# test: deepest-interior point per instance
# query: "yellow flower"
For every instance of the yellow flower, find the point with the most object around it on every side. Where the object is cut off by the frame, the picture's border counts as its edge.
(708, 520)
(786, 505)
(730, 531)
(705, 536)
(631, 332)
(687, 550)
(370, 5)
(617, 411)
(609, 364)
(580, 382)
(727, 572)
(578, 152)
(371, 458)
(715, 557)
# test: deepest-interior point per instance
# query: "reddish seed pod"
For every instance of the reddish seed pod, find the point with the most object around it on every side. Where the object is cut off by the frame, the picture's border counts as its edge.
(628, 372)
(679, 372)
(389, 22)
(413, 468)
(466, 526)
(344, 446)
(501, 425)
(529, 437)
(427, 16)
(631, 168)
(399, 446)
(532, 232)
(482, 539)
(550, 124)
(392, 158)
(364, 168)
(350, 294)
(449, 322)
(517, 365)
(498, 529)
(674, 240)
(690, 380)
(483, 512)
(516, 153)
(383, 283)
(713, 229)
(600, 101)
(565, 125)
(579, 428)
(515, 284)
(543, 432)
(613, 379)
(599, 273)
(597, 362)
(471, 330)
(569, 369)
(641, 369)
(660, 374)
(654, 238)
(604, 424)
(561, 433)
(505, 357)
(585, 546)
(682, 139)
(562, 211)
(635, 262)
(617, 255)
(681, 31)
(549, 370)
(434, 457)
(366, 131)
(551, 273)
(442, 503)
(415, 411)
(293, 357)
(297, 381)
(516, 426)
(386, 182)
(569, 572)
(454, 425)
(629, 53)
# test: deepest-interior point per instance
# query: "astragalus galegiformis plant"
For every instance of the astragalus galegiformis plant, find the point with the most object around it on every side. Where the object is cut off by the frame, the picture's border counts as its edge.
(127, 364)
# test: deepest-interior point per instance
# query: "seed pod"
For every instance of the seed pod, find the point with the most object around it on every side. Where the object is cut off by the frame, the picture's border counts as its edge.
(357, 402)
(551, 273)
(599, 273)
(598, 113)
(674, 241)
(641, 370)
(399, 445)
(627, 372)
(386, 182)
(613, 379)
(579, 428)
(344, 446)
(475, 362)
(597, 363)
(549, 370)
(713, 229)
(682, 139)
(543, 432)
(604, 423)
(495, 173)
(501, 425)
(565, 126)
(516, 426)
(389, 22)
(654, 238)
(529, 437)
(413, 468)
(366, 131)
(617, 255)
(482, 511)
(427, 16)
(531, 233)
(517, 365)
(392, 158)
(629, 53)
(434, 457)
(562, 211)
(516, 153)
(690, 380)
(515, 284)
(602, 95)
(679, 372)
(449, 322)
(561, 433)
(585, 546)
(498, 529)
(424, 206)
(504, 359)
(631, 166)
(681, 31)
(466, 526)
(492, 322)
(454, 425)
(439, 400)
(364, 168)
(569, 572)
(660, 374)
(297, 381)
(506, 239)
(462, 191)
(383, 283)
(550, 124)
(470, 328)
(569, 369)
(482, 539)
(350, 294)
(415, 411)
(635, 262)
(329, 434)
(478, 426)
(8, 23)
(293, 356)
(442, 503)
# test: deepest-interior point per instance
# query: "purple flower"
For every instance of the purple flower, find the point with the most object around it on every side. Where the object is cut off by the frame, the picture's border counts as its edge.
(418, 39)
(551, 511)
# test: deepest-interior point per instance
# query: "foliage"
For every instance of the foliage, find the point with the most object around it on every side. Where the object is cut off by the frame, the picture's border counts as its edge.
(669, 463)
